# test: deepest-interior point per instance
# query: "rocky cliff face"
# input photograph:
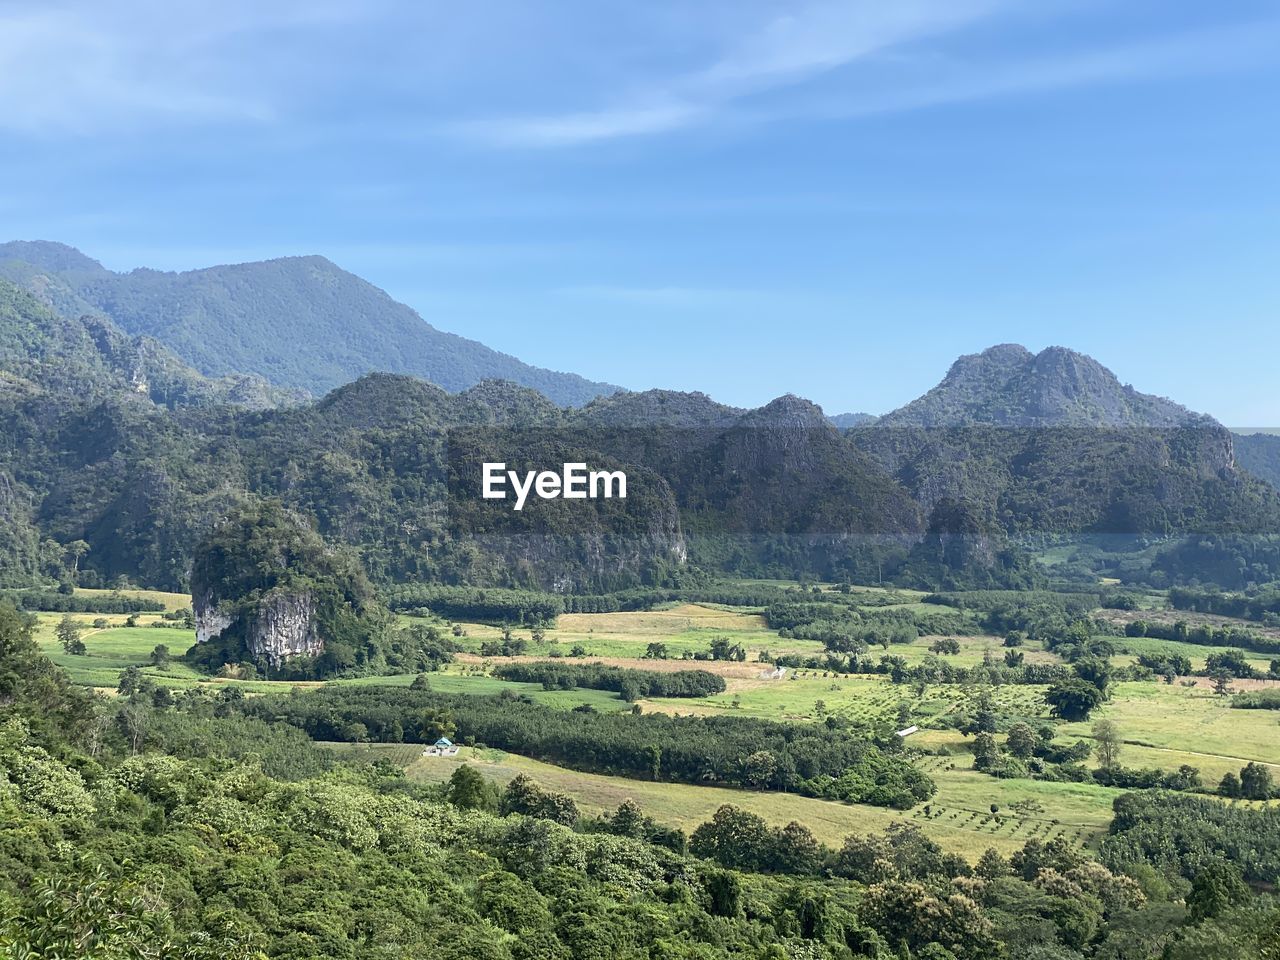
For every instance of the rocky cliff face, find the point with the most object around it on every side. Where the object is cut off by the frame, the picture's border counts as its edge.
(279, 627)
(283, 627)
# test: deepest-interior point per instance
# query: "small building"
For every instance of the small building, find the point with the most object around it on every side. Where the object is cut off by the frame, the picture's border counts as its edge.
(444, 747)
(908, 731)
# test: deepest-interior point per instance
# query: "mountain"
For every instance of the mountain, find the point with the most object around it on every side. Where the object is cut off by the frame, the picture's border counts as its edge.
(300, 322)
(93, 450)
(1025, 444)
(843, 421)
(61, 357)
(1008, 385)
(1259, 453)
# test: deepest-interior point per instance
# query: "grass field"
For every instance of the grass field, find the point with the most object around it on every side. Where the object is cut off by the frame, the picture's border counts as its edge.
(1170, 724)
(959, 818)
(172, 601)
(1163, 726)
(1128, 649)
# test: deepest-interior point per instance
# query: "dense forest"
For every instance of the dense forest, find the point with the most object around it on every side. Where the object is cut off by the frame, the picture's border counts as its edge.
(199, 827)
(113, 453)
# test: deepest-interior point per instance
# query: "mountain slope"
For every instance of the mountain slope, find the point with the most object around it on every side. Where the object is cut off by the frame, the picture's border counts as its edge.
(1259, 453)
(1008, 385)
(300, 322)
(42, 352)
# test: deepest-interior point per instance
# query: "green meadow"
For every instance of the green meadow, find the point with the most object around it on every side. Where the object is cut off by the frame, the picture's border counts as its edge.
(1162, 725)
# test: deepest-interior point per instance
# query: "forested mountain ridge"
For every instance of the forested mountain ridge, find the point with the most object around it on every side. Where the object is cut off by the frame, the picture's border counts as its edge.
(88, 356)
(116, 445)
(1259, 453)
(1008, 385)
(300, 322)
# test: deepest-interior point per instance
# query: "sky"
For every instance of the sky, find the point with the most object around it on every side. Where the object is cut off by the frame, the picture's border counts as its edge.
(743, 197)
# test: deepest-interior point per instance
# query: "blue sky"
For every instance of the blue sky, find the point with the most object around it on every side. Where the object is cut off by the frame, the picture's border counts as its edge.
(744, 197)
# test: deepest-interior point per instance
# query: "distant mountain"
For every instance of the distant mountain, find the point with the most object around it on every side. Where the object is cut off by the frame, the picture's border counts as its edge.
(65, 358)
(1052, 443)
(300, 322)
(1008, 385)
(1259, 453)
(843, 421)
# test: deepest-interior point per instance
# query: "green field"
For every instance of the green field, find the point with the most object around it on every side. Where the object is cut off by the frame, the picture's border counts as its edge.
(1162, 725)
(959, 817)
(1129, 647)
(1171, 724)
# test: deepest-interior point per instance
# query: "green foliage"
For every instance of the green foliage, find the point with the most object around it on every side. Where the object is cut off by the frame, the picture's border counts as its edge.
(631, 684)
(831, 759)
(262, 554)
(1186, 835)
(1073, 700)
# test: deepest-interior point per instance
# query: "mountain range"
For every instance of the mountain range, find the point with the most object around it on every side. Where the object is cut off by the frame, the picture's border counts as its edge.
(113, 438)
(300, 323)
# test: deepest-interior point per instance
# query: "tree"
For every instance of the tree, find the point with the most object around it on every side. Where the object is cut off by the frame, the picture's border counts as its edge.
(796, 850)
(733, 838)
(985, 752)
(1107, 744)
(656, 651)
(469, 790)
(130, 681)
(1095, 670)
(948, 646)
(1073, 699)
(1229, 786)
(991, 866)
(628, 820)
(1216, 888)
(1022, 740)
(160, 657)
(1014, 658)
(759, 769)
(437, 723)
(1255, 782)
(1221, 682)
(68, 632)
(93, 917)
(75, 551)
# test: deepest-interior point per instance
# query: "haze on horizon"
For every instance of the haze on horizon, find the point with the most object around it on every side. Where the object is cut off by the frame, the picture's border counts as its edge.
(834, 199)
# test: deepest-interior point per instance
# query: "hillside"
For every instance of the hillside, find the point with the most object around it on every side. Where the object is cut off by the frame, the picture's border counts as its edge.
(44, 353)
(1008, 385)
(300, 322)
(1259, 453)
(388, 464)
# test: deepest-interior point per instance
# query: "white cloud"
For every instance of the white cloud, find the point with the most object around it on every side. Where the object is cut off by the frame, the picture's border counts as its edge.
(811, 39)
(84, 67)
(882, 69)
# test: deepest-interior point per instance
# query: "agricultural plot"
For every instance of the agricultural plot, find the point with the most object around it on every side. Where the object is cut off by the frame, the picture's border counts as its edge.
(1129, 648)
(173, 602)
(686, 628)
(959, 818)
(1177, 724)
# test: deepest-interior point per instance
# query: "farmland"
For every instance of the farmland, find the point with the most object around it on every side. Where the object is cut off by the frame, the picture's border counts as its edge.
(1161, 725)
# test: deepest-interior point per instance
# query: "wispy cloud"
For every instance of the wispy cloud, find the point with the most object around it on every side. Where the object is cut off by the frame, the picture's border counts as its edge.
(812, 39)
(1235, 47)
(881, 62)
(84, 67)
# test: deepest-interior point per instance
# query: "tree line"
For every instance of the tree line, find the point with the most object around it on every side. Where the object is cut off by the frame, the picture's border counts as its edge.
(629, 683)
(734, 751)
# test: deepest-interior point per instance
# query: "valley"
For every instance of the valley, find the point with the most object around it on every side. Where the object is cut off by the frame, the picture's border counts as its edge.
(1162, 726)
